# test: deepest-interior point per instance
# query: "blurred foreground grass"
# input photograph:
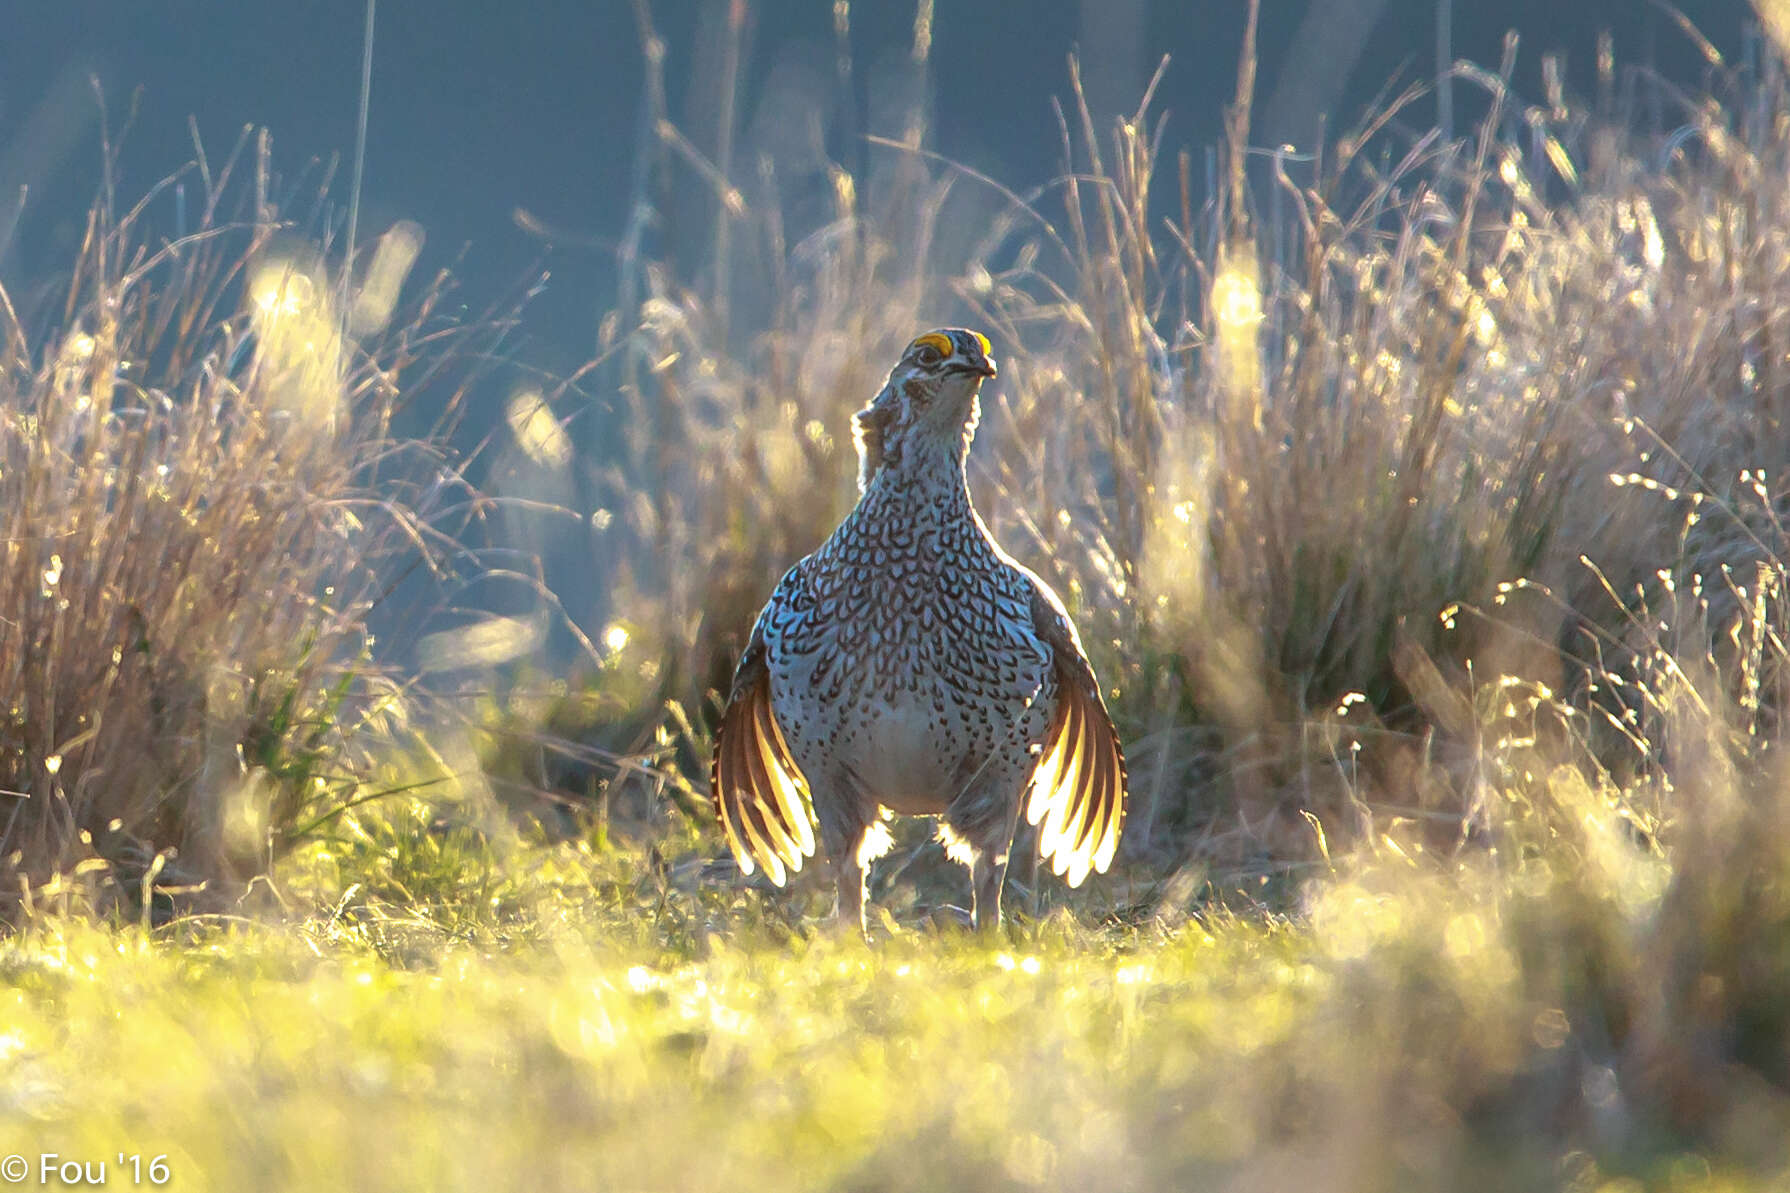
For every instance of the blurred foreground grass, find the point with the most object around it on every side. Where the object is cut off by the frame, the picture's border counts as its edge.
(462, 1016)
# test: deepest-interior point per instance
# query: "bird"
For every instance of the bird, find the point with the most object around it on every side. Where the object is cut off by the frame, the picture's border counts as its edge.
(910, 666)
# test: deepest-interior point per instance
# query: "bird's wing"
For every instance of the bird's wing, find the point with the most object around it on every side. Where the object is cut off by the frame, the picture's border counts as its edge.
(1077, 792)
(760, 793)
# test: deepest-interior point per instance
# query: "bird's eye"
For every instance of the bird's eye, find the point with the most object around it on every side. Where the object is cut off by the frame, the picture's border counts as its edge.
(927, 356)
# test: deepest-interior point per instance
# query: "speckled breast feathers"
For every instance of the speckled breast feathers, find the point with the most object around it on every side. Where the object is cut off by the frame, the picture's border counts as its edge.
(909, 665)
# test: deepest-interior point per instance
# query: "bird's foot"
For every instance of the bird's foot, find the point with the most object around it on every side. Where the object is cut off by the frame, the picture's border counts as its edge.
(949, 917)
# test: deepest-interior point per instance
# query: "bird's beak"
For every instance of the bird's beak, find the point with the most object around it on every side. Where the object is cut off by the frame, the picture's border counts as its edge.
(982, 368)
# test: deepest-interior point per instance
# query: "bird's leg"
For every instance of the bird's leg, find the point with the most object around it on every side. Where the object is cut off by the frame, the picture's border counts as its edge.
(1025, 864)
(987, 873)
(842, 834)
(982, 819)
(850, 874)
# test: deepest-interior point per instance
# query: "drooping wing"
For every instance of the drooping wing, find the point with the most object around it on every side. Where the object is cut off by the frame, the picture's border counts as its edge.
(760, 793)
(1077, 792)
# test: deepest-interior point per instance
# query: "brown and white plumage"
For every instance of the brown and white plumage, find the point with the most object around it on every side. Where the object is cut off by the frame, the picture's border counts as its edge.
(910, 666)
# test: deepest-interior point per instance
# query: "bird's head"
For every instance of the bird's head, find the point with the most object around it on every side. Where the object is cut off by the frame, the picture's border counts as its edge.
(928, 405)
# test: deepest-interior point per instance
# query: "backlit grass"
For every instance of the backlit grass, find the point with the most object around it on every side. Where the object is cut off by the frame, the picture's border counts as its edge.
(598, 1024)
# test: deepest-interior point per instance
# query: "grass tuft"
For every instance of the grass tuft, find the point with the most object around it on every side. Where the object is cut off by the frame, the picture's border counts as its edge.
(194, 542)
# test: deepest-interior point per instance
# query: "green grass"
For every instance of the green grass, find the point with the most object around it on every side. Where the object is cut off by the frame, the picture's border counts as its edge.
(421, 1000)
(594, 1025)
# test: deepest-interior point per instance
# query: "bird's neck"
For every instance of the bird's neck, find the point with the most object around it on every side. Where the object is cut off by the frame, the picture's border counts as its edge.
(927, 472)
(912, 509)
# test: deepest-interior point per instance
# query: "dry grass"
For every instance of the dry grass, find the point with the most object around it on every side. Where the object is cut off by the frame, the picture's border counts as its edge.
(1318, 463)
(1332, 469)
(190, 440)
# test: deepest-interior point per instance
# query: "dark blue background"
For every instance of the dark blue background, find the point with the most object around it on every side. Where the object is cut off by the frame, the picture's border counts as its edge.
(481, 108)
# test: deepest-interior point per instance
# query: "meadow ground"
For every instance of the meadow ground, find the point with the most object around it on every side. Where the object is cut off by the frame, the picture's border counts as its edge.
(1420, 508)
(574, 1019)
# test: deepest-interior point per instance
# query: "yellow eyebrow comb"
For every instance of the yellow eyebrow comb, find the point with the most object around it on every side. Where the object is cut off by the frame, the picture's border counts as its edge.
(938, 340)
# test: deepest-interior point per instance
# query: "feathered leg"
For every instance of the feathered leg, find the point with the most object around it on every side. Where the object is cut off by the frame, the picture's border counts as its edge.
(978, 832)
(848, 838)
(987, 875)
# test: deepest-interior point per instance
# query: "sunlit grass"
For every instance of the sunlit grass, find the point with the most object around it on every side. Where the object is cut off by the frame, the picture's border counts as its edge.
(315, 1053)
(202, 503)
(578, 1019)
